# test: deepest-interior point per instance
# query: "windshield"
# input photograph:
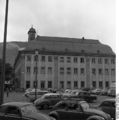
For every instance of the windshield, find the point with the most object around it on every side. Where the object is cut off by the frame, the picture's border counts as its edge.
(27, 109)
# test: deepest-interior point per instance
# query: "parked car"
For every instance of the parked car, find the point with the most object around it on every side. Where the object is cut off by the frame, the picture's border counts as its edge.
(108, 106)
(112, 92)
(47, 100)
(82, 112)
(85, 96)
(31, 94)
(21, 111)
(96, 91)
(104, 92)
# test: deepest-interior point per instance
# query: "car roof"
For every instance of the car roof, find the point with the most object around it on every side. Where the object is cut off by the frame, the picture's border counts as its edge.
(18, 104)
(110, 99)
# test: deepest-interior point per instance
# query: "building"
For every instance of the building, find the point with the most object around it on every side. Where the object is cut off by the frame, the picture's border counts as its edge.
(61, 63)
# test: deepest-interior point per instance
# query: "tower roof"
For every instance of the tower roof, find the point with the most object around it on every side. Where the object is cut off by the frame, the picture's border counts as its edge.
(31, 30)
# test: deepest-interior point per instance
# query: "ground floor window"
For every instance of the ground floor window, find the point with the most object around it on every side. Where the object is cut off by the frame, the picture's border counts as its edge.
(35, 84)
(61, 84)
(68, 84)
(42, 84)
(27, 84)
(94, 84)
(82, 84)
(107, 84)
(100, 84)
(75, 84)
(49, 84)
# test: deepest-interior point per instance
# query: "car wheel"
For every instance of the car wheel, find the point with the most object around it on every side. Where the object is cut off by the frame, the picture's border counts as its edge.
(45, 106)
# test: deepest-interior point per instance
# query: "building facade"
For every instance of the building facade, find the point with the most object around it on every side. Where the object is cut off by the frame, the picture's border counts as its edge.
(62, 63)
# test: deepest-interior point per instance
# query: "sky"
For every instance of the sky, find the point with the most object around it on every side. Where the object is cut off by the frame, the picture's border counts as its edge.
(91, 19)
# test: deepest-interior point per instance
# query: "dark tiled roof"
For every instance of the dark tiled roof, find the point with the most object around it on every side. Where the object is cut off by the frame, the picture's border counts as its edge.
(61, 44)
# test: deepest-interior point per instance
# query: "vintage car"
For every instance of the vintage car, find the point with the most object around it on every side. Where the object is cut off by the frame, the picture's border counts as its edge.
(82, 112)
(48, 100)
(108, 106)
(21, 111)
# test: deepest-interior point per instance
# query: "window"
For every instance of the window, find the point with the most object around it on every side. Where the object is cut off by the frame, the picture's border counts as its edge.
(42, 70)
(82, 71)
(35, 84)
(49, 58)
(68, 84)
(75, 84)
(100, 71)
(112, 61)
(112, 71)
(28, 69)
(61, 70)
(75, 59)
(68, 70)
(100, 60)
(82, 84)
(68, 59)
(61, 84)
(35, 69)
(61, 59)
(107, 84)
(28, 58)
(93, 71)
(43, 58)
(106, 72)
(81, 60)
(106, 61)
(49, 84)
(42, 84)
(36, 58)
(27, 84)
(49, 70)
(75, 70)
(94, 84)
(100, 84)
(93, 60)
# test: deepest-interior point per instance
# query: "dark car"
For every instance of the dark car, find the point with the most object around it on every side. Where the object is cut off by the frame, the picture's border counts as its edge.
(82, 112)
(21, 111)
(85, 96)
(108, 106)
(48, 100)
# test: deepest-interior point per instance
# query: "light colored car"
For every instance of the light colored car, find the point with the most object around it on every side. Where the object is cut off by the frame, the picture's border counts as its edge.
(31, 94)
(48, 100)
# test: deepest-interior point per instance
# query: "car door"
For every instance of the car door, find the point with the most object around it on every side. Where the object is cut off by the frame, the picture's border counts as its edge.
(12, 113)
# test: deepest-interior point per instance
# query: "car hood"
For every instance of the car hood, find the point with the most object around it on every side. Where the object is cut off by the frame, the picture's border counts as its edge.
(37, 116)
(96, 112)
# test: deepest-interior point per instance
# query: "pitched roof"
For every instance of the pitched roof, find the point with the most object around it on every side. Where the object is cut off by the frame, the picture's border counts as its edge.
(63, 44)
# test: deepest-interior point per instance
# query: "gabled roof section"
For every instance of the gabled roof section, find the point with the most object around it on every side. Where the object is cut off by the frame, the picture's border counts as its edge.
(74, 45)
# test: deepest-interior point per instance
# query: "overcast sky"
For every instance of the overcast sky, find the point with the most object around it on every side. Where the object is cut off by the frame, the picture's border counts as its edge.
(93, 19)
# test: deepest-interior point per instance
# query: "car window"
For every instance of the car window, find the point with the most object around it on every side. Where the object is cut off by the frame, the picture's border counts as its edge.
(13, 110)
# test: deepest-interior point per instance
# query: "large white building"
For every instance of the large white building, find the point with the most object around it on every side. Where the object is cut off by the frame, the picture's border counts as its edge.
(62, 63)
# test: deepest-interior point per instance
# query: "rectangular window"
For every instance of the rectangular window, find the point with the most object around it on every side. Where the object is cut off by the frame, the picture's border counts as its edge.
(75, 70)
(100, 71)
(75, 84)
(68, 84)
(61, 59)
(75, 59)
(93, 71)
(100, 60)
(107, 84)
(36, 58)
(100, 84)
(82, 84)
(49, 58)
(94, 84)
(42, 70)
(28, 58)
(68, 70)
(82, 71)
(42, 84)
(61, 70)
(93, 60)
(106, 61)
(81, 60)
(28, 69)
(43, 58)
(61, 84)
(35, 69)
(106, 71)
(27, 84)
(68, 59)
(112, 71)
(49, 84)
(113, 61)
(49, 70)
(35, 83)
